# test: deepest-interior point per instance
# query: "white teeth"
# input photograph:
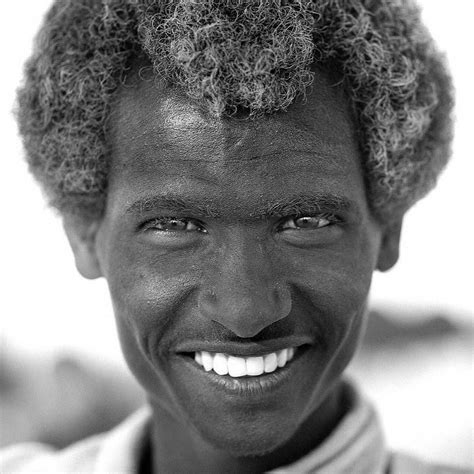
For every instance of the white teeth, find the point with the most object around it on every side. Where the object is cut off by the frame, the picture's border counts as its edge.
(207, 360)
(282, 358)
(235, 366)
(271, 362)
(255, 365)
(220, 364)
(291, 353)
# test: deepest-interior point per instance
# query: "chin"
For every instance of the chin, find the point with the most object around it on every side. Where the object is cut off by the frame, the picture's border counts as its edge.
(250, 441)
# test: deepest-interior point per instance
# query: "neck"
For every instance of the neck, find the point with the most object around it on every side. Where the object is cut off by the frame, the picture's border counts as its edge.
(178, 448)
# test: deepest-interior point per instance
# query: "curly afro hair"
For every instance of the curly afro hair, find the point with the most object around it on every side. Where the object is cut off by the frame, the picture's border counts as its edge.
(237, 54)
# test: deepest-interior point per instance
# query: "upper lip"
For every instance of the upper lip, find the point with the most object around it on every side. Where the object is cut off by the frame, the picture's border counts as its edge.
(244, 349)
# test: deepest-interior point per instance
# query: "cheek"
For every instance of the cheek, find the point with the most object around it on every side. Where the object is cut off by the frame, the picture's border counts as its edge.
(150, 292)
(334, 285)
(336, 280)
(333, 289)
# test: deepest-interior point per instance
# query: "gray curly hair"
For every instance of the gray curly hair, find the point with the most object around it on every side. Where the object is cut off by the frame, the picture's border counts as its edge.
(237, 54)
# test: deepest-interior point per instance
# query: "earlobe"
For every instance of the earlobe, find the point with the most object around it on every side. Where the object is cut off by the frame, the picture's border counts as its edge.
(390, 246)
(82, 238)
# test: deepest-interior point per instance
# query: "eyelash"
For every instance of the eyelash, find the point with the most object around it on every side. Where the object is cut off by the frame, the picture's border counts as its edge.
(148, 225)
(331, 218)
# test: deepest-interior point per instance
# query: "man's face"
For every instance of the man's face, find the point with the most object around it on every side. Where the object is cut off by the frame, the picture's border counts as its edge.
(239, 238)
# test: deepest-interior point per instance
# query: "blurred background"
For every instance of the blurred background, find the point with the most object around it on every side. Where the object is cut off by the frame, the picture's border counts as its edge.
(62, 376)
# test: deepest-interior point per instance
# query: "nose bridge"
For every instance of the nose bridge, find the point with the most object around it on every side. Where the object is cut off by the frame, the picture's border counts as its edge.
(245, 271)
(244, 293)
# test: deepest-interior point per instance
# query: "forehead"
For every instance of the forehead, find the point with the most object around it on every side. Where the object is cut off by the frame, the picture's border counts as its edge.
(163, 143)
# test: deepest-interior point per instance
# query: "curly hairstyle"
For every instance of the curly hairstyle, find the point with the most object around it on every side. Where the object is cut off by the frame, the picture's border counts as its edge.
(237, 54)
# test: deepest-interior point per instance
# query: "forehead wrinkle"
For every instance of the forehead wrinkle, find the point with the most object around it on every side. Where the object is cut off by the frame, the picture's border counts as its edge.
(241, 159)
(232, 137)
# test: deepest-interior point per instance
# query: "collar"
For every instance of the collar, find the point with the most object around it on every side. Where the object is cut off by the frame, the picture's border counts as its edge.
(356, 445)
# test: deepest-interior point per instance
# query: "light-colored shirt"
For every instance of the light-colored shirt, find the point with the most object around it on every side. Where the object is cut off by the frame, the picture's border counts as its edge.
(356, 446)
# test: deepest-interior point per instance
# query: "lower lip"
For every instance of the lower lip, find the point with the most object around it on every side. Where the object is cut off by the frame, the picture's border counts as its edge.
(249, 386)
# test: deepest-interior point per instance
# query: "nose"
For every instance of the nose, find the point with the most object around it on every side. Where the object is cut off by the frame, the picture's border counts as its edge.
(242, 292)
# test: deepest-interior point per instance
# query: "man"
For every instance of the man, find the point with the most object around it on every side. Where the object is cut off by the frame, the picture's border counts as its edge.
(236, 171)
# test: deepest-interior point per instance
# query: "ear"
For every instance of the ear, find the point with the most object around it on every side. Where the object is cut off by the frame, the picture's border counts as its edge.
(82, 238)
(390, 246)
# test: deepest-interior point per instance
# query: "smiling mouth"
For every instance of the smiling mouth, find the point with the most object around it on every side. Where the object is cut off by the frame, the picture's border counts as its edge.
(234, 366)
(248, 377)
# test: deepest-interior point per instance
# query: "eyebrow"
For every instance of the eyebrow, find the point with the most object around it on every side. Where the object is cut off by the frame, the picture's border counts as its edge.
(306, 204)
(174, 204)
(314, 203)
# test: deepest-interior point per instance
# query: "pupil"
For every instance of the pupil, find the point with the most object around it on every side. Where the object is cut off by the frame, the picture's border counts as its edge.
(304, 221)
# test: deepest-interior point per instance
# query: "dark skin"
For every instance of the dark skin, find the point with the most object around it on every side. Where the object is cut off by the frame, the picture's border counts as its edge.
(235, 234)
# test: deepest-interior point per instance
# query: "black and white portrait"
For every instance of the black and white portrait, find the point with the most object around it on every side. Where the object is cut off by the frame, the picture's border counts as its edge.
(237, 236)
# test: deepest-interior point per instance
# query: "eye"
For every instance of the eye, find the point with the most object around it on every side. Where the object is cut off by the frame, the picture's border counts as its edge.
(173, 224)
(308, 222)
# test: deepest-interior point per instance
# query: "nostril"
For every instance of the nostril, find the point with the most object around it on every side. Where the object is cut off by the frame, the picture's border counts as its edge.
(243, 308)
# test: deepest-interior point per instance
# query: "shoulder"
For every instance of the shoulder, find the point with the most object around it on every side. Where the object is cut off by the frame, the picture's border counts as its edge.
(401, 463)
(116, 451)
(35, 457)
